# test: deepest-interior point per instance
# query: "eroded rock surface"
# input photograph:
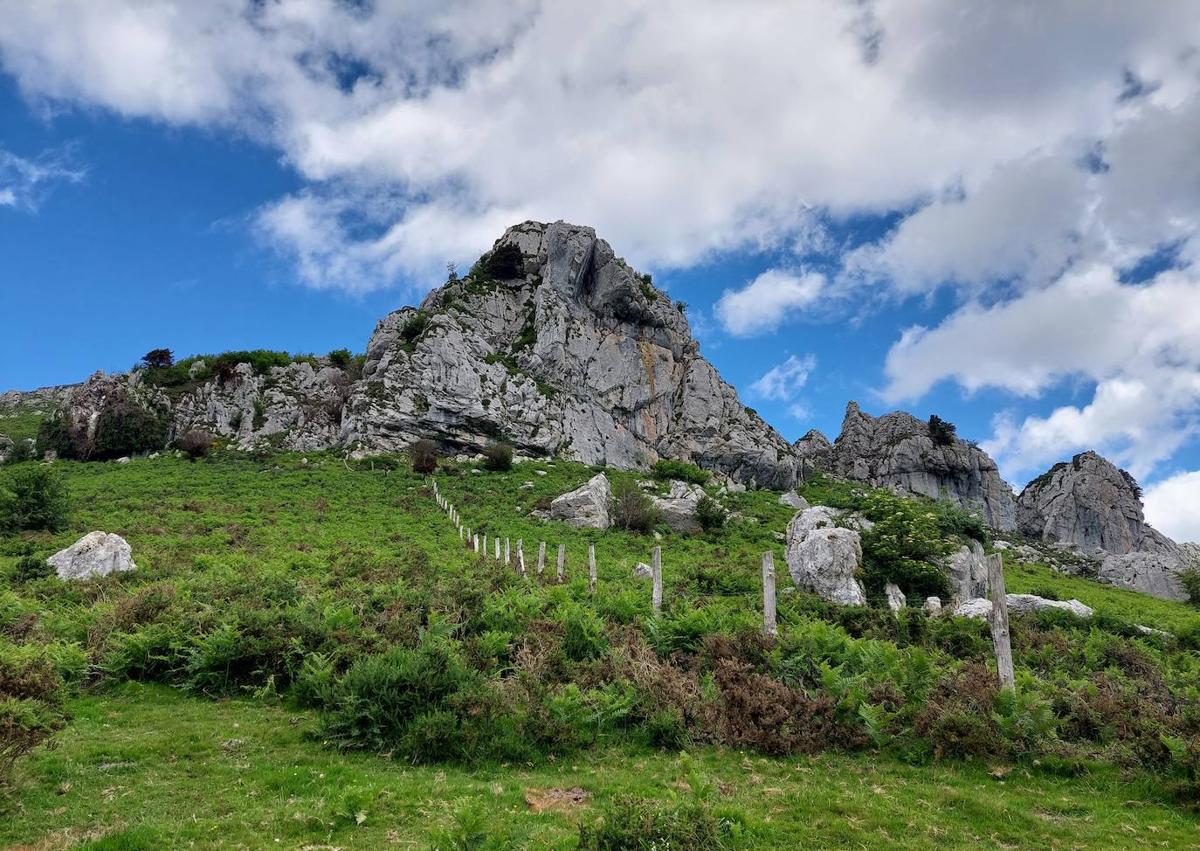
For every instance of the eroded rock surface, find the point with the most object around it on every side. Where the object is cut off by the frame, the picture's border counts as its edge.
(586, 506)
(898, 451)
(824, 558)
(1090, 507)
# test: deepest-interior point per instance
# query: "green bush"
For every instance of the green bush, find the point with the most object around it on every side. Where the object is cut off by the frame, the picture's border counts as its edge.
(942, 432)
(126, 428)
(501, 264)
(31, 704)
(413, 329)
(632, 509)
(667, 468)
(423, 456)
(341, 358)
(710, 514)
(498, 455)
(32, 497)
(1190, 580)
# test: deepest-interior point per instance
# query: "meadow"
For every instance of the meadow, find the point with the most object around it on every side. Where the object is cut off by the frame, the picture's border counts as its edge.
(308, 657)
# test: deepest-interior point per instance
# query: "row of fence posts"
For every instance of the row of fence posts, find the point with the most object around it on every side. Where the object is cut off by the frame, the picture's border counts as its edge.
(1001, 639)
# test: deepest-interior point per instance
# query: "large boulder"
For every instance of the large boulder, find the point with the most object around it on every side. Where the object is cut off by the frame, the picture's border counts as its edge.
(824, 558)
(1021, 604)
(95, 554)
(586, 506)
(899, 451)
(793, 500)
(968, 572)
(678, 507)
(1090, 507)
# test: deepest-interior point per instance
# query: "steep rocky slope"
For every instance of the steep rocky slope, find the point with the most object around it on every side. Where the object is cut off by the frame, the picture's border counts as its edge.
(557, 344)
(1091, 507)
(898, 451)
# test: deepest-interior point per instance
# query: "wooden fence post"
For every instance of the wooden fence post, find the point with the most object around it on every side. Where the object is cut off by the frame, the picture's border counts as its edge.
(1000, 636)
(507, 559)
(656, 576)
(562, 560)
(768, 579)
(497, 547)
(477, 545)
(521, 556)
(592, 568)
(485, 550)
(541, 559)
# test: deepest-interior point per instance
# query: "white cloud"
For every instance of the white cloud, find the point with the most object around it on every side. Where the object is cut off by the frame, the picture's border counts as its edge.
(1139, 345)
(783, 381)
(1173, 506)
(678, 129)
(24, 182)
(765, 303)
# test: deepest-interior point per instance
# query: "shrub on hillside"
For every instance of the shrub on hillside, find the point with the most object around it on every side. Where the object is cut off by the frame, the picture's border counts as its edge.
(632, 509)
(668, 468)
(710, 514)
(32, 497)
(31, 704)
(195, 443)
(414, 328)
(1190, 580)
(158, 359)
(340, 358)
(423, 455)
(21, 451)
(498, 455)
(629, 822)
(502, 264)
(126, 428)
(941, 431)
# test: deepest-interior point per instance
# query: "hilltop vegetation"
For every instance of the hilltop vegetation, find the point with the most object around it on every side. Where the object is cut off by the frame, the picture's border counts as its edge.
(336, 607)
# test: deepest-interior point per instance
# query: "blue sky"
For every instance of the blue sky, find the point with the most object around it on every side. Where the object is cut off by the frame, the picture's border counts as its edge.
(992, 218)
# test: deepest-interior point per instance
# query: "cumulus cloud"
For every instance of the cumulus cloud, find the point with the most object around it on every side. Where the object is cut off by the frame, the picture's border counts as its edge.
(1138, 345)
(678, 129)
(767, 301)
(783, 381)
(1173, 506)
(24, 182)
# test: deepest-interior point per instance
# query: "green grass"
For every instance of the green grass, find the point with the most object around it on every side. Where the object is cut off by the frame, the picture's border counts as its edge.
(156, 769)
(145, 766)
(20, 426)
(1130, 606)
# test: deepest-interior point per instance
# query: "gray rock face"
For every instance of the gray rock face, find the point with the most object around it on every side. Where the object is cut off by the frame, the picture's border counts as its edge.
(576, 355)
(814, 454)
(586, 506)
(678, 507)
(793, 500)
(895, 597)
(823, 558)
(968, 572)
(897, 451)
(932, 606)
(95, 554)
(1090, 507)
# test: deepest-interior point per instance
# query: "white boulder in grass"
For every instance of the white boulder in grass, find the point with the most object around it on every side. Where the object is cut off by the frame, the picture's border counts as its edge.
(95, 554)
(895, 597)
(823, 558)
(1021, 604)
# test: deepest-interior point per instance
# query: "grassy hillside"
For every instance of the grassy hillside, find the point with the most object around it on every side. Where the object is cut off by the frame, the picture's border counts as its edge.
(228, 691)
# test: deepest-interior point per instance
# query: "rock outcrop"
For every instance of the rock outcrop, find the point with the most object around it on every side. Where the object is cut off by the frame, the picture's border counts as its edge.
(95, 554)
(899, 451)
(824, 558)
(1091, 507)
(556, 343)
(678, 507)
(1021, 604)
(793, 500)
(585, 507)
(814, 454)
(968, 572)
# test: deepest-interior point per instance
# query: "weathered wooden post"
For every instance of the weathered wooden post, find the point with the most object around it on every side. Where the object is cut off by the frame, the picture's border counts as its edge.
(562, 560)
(541, 559)
(460, 534)
(497, 547)
(768, 579)
(507, 559)
(521, 555)
(1000, 636)
(476, 545)
(656, 577)
(592, 568)
(485, 549)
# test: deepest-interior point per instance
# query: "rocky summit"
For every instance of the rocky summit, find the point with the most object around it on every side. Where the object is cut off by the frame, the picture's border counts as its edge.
(1091, 507)
(904, 453)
